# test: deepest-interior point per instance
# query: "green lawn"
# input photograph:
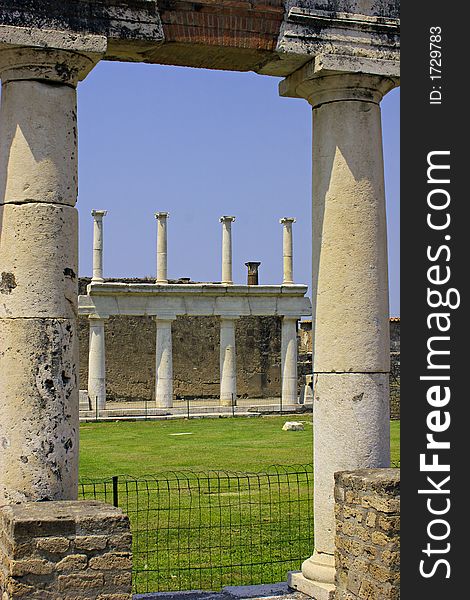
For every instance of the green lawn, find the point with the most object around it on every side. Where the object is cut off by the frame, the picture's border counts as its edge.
(240, 444)
(212, 530)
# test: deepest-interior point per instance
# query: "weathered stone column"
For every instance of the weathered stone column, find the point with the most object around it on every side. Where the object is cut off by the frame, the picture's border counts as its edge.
(162, 257)
(289, 360)
(228, 361)
(287, 250)
(227, 249)
(98, 244)
(253, 267)
(97, 363)
(38, 263)
(164, 363)
(349, 295)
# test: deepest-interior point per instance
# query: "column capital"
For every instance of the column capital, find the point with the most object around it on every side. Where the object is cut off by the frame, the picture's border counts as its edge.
(287, 220)
(39, 54)
(319, 85)
(98, 214)
(98, 317)
(226, 219)
(162, 318)
(161, 215)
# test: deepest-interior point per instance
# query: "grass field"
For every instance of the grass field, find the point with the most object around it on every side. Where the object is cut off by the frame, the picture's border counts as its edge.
(211, 530)
(240, 444)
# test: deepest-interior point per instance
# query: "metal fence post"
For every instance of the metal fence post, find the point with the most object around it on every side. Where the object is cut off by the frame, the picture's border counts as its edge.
(115, 491)
(187, 405)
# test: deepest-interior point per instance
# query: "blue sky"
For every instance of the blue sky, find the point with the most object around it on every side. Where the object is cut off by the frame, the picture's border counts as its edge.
(200, 144)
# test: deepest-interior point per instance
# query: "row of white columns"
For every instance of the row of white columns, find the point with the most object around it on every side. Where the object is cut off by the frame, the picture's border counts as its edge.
(162, 248)
(164, 362)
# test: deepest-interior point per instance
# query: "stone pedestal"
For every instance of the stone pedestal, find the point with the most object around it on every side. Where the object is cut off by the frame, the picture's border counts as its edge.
(164, 364)
(51, 550)
(97, 364)
(289, 360)
(228, 362)
(39, 263)
(349, 292)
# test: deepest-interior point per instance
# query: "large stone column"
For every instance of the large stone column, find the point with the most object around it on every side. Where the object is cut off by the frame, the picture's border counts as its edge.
(97, 363)
(162, 245)
(228, 362)
(349, 295)
(287, 250)
(289, 360)
(98, 244)
(227, 249)
(164, 363)
(39, 265)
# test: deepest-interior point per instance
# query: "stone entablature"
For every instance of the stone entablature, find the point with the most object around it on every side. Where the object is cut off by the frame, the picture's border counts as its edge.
(197, 299)
(270, 37)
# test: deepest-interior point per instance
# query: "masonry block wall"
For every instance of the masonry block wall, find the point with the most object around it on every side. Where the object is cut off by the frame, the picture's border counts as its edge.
(65, 549)
(367, 509)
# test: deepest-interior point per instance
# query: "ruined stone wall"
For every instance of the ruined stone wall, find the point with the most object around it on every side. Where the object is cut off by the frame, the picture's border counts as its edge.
(130, 356)
(66, 549)
(367, 556)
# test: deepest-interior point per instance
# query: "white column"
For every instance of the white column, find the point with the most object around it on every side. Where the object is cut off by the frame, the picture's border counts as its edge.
(97, 363)
(164, 364)
(228, 362)
(162, 247)
(287, 250)
(227, 249)
(289, 360)
(349, 296)
(39, 266)
(98, 244)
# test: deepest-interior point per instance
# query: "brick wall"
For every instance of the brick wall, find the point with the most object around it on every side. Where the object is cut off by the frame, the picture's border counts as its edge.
(367, 508)
(59, 550)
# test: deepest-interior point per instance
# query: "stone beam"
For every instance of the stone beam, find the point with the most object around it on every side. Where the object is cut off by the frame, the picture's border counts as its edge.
(270, 37)
(169, 300)
(132, 27)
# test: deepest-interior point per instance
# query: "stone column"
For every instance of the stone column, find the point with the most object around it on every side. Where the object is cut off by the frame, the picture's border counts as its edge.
(253, 267)
(228, 362)
(97, 363)
(227, 249)
(98, 244)
(289, 360)
(349, 296)
(39, 264)
(164, 364)
(162, 258)
(287, 250)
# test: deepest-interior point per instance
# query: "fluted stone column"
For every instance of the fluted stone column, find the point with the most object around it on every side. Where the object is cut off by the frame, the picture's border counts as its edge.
(38, 265)
(97, 363)
(98, 244)
(349, 295)
(287, 250)
(228, 362)
(164, 364)
(289, 360)
(162, 245)
(227, 249)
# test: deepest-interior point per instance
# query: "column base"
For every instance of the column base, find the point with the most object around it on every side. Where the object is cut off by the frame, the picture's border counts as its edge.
(314, 589)
(317, 577)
